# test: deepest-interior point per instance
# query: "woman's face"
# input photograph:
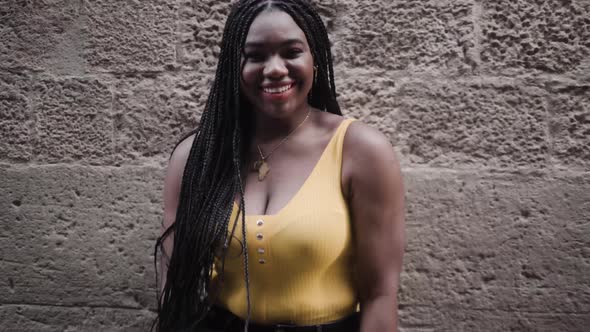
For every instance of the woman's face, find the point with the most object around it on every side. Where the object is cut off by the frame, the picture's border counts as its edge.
(277, 65)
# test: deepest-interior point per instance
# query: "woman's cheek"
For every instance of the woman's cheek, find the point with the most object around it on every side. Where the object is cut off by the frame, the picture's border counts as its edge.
(249, 73)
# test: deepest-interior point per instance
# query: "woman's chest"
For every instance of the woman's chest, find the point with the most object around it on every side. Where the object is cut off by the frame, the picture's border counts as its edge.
(300, 238)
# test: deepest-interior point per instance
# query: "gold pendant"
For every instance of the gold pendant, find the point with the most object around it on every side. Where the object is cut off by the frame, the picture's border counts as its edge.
(263, 170)
(256, 165)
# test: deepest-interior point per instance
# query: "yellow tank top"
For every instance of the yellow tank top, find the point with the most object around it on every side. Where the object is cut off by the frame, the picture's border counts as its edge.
(300, 259)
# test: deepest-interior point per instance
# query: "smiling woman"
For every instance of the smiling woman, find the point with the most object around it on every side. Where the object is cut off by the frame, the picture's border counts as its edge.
(278, 68)
(280, 214)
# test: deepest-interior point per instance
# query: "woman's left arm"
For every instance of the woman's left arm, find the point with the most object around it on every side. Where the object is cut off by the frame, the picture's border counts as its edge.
(376, 201)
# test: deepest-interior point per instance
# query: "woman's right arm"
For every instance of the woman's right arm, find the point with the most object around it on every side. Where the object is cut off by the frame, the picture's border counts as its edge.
(172, 184)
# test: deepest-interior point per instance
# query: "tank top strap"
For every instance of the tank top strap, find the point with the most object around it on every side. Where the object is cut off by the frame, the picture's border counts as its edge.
(333, 158)
(339, 140)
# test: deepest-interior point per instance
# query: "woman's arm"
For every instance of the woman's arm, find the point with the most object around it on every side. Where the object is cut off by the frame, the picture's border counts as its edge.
(172, 184)
(376, 200)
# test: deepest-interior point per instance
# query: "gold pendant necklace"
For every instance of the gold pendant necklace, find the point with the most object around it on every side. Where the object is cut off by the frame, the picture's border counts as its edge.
(261, 166)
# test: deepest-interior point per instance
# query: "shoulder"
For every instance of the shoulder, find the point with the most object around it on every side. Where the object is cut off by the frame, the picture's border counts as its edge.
(369, 159)
(176, 166)
(173, 180)
(365, 142)
(181, 151)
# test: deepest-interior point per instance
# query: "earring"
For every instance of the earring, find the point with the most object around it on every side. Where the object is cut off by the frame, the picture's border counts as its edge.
(315, 74)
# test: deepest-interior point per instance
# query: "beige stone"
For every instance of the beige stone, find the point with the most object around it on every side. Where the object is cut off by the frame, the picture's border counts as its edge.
(524, 35)
(200, 28)
(496, 320)
(497, 242)
(472, 124)
(36, 34)
(16, 118)
(73, 120)
(48, 318)
(369, 96)
(569, 127)
(404, 35)
(152, 114)
(78, 236)
(129, 36)
(418, 318)
(68, 37)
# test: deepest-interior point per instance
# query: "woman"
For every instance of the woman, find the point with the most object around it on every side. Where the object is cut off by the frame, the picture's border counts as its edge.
(279, 213)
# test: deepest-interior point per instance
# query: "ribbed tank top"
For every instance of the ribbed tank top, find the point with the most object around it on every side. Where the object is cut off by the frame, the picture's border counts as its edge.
(301, 258)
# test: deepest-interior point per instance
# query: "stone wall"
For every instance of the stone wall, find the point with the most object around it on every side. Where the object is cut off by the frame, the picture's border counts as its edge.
(487, 103)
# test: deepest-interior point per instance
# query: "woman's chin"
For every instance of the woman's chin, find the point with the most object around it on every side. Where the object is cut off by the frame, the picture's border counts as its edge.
(279, 111)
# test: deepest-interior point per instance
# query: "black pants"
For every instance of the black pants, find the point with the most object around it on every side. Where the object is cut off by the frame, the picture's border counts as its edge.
(221, 320)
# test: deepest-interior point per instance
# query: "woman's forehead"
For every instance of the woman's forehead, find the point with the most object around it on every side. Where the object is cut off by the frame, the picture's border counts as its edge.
(274, 27)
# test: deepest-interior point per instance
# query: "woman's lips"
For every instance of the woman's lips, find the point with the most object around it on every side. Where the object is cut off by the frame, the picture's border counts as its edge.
(277, 89)
(278, 92)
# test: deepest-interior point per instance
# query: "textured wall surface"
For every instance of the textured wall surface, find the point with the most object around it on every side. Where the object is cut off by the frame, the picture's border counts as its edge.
(487, 103)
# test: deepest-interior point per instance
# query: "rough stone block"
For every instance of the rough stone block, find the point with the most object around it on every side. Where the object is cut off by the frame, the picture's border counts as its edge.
(582, 71)
(73, 120)
(569, 127)
(329, 10)
(67, 256)
(83, 187)
(368, 96)
(200, 29)
(404, 35)
(40, 318)
(16, 119)
(152, 114)
(501, 321)
(129, 35)
(475, 242)
(472, 124)
(524, 35)
(79, 235)
(453, 318)
(36, 34)
(417, 318)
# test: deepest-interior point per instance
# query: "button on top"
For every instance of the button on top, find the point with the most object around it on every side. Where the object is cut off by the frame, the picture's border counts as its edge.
(260, 222)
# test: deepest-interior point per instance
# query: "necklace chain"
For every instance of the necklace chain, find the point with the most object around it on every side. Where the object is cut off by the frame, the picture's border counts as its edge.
(263, 157)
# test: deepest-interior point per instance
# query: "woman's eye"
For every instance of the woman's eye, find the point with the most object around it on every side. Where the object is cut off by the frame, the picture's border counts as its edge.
(293, 53)
(254, 56)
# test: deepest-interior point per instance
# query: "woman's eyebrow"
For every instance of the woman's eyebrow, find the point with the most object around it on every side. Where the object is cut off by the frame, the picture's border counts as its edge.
(283, 43)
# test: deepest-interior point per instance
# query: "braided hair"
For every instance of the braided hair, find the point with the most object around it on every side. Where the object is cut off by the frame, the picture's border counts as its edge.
(212, 175)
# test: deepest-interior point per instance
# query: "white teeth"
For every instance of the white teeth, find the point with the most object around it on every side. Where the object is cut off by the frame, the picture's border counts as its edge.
(278, 90)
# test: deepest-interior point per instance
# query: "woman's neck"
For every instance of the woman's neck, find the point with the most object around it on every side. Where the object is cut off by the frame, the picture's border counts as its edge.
(268, 129)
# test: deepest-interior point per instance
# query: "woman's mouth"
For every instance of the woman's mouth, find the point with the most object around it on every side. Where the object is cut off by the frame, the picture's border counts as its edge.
(280, 89)
(278, 92)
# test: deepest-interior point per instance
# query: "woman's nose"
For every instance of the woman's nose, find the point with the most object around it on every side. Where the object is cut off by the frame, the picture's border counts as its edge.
(275, 67)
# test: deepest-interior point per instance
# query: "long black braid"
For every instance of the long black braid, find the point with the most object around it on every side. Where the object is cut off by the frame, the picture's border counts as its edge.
(212, 175)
